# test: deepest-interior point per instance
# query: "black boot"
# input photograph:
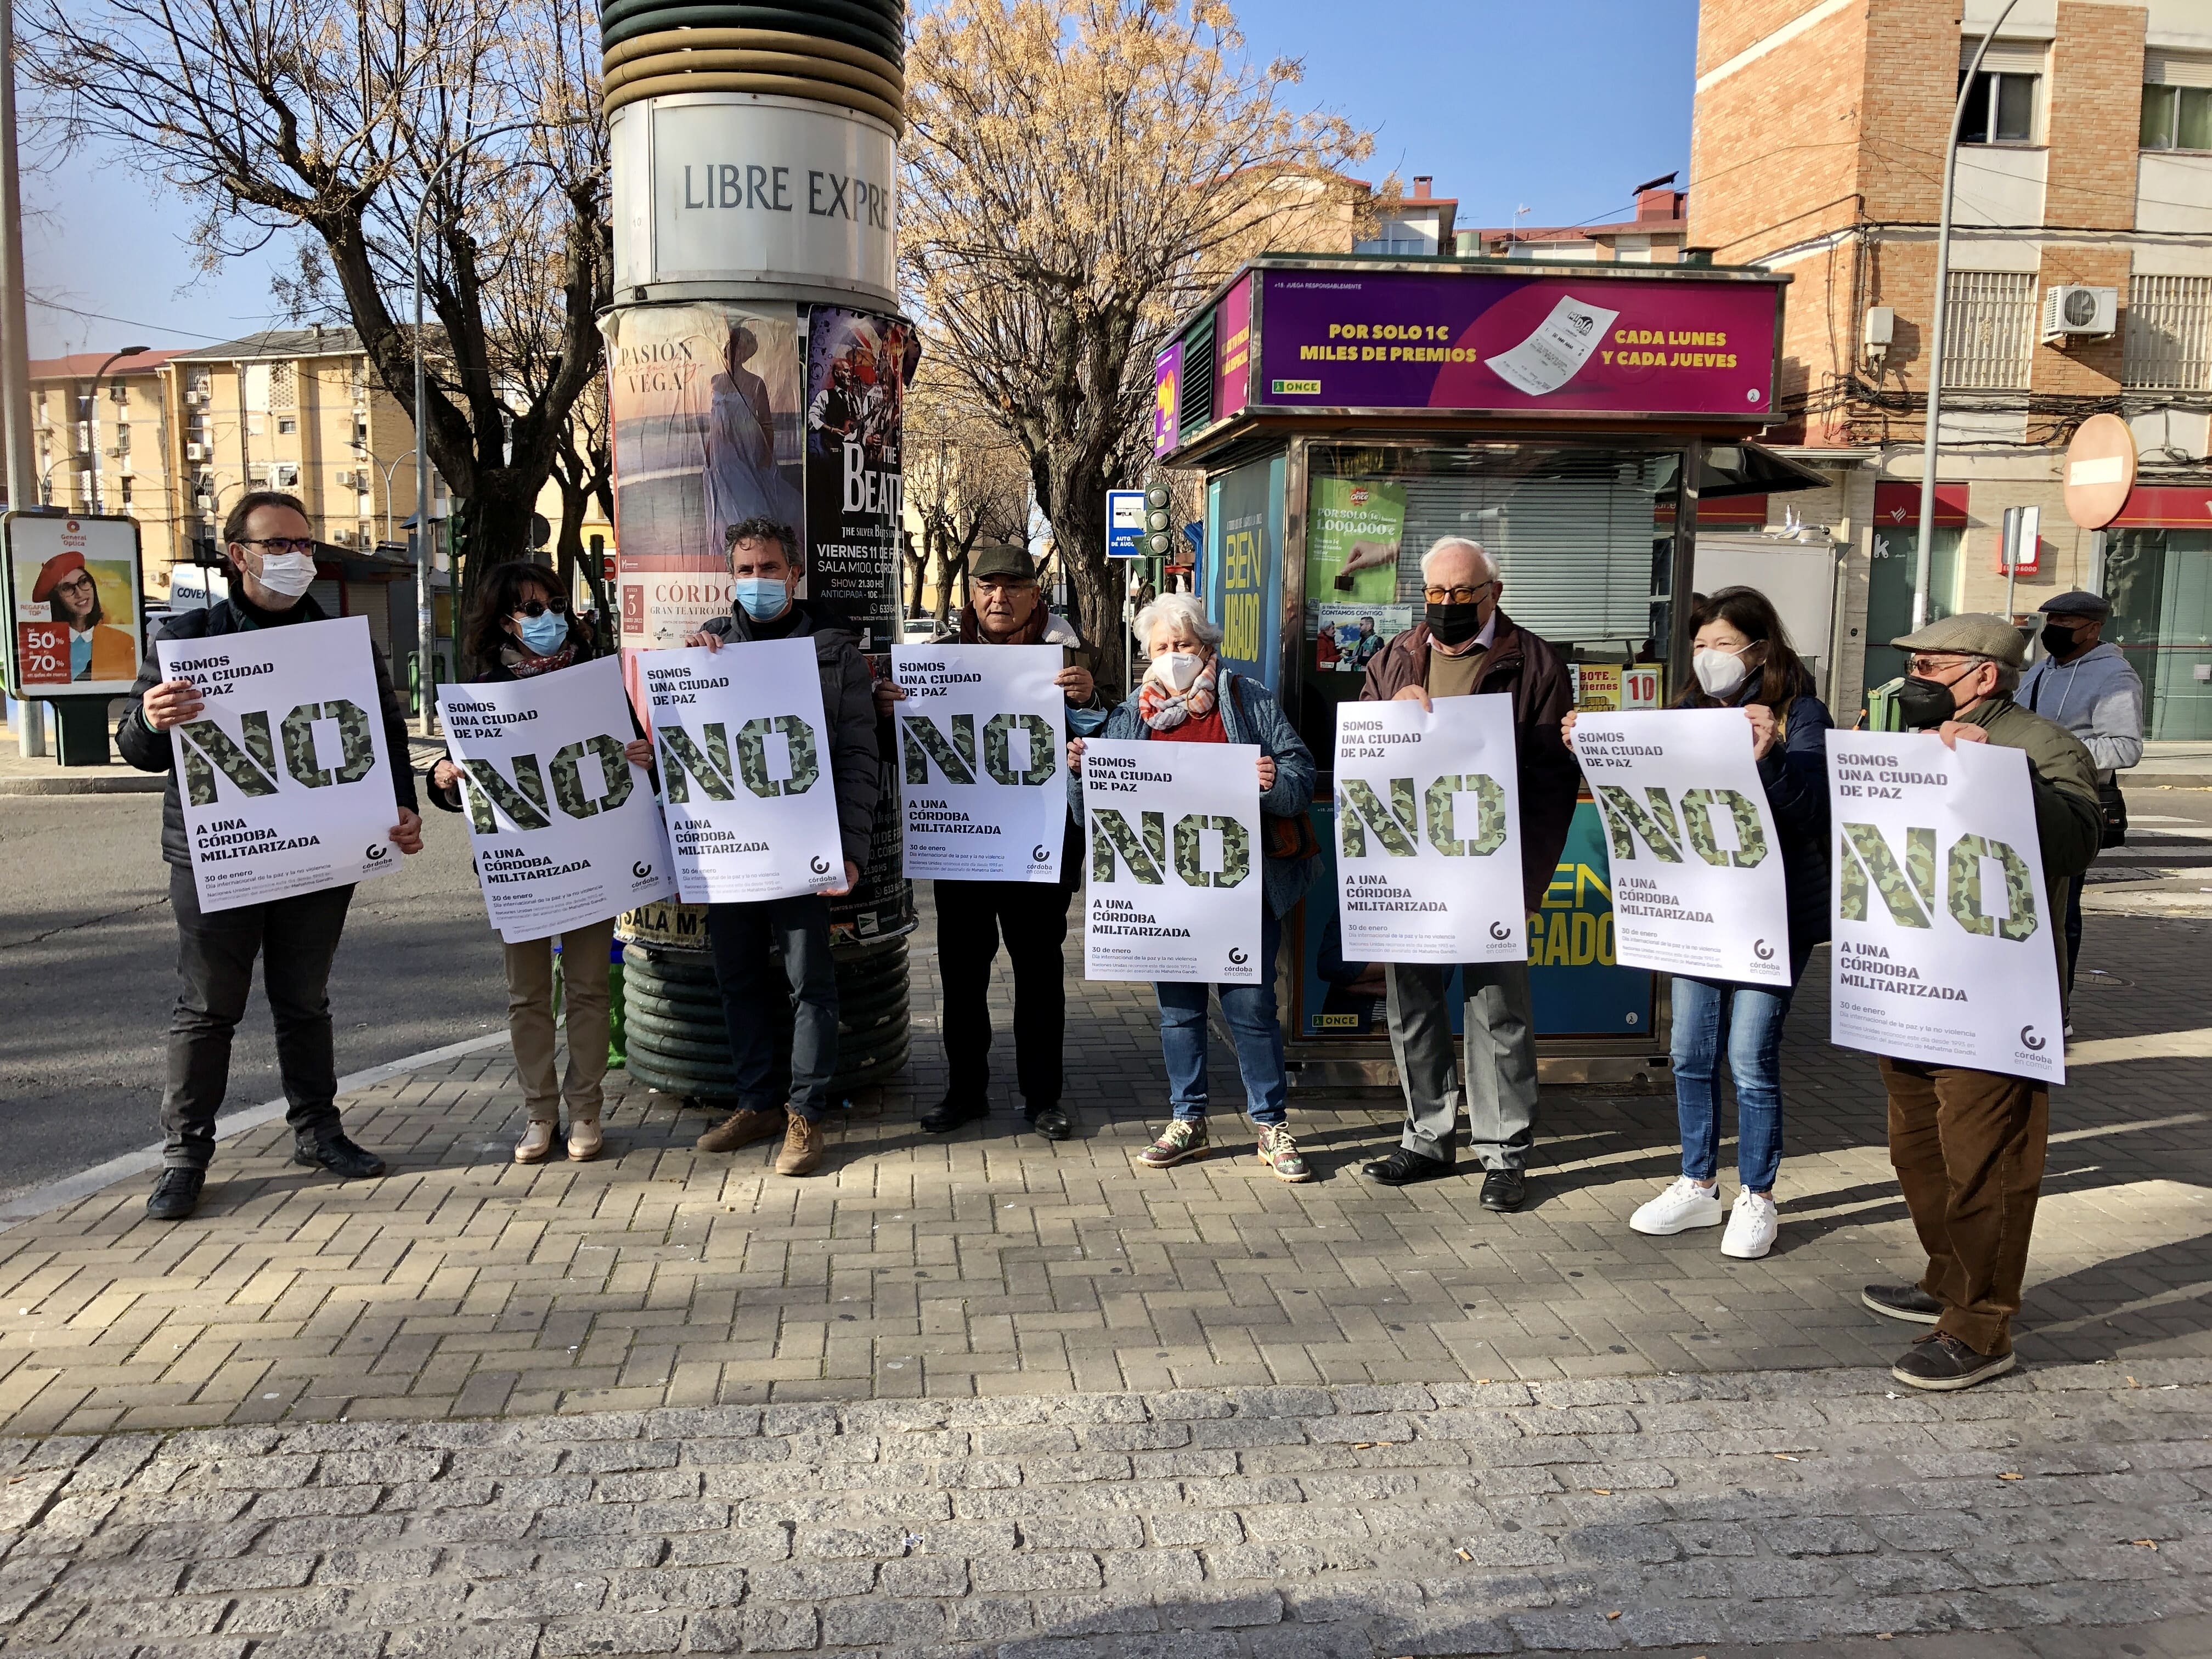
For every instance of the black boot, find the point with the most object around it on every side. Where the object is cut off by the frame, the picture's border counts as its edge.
(176, 1195)
(332, 1150)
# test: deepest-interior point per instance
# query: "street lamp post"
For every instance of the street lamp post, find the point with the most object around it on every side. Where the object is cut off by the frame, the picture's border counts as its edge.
(426, 636)
(388, 471)
(91, 421)
(1929, 452)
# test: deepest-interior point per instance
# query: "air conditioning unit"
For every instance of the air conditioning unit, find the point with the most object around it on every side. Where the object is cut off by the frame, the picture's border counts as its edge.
(196, 451)
(2072, 311)
(196, 395)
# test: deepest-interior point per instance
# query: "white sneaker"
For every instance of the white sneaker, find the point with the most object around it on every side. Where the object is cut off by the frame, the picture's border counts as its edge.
(1683, 1205)
(1752, 1226)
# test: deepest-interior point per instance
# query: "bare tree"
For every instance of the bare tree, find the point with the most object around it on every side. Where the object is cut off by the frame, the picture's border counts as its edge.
(966, 479)
(1078, 173)
(347, 122)
(584, 472)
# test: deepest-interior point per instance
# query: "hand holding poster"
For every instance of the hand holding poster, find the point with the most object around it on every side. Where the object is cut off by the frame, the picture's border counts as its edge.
(981, 734)
(1697, 866)
(1943, 948)
(1174, 861)
(284, 775)
(747, 786)
(565, 830)
(1428, 815)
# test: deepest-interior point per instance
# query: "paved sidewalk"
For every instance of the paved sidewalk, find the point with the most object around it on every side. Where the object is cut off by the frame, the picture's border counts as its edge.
(992, 1262)
(1279, 1523)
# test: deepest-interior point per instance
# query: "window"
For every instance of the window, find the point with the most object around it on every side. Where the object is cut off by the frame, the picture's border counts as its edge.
(126, 495)
(2168, 342)
(1989, 323)
(286, 423)
(2000, 109)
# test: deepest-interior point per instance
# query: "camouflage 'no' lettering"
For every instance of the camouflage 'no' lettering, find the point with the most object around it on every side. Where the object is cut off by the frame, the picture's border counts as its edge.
(1111, 833)
(998, 749)
(1190, 846)
(208, 750)
(1908, 892)
(1698, 806)
(1489, 815)
(570, 790)
(752, 755)
(924, 741)
(1359, 810)
(1625, 821)
(1964, 889)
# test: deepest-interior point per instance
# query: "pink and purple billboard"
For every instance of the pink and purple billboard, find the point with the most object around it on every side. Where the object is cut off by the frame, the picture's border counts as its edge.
(1346, 339)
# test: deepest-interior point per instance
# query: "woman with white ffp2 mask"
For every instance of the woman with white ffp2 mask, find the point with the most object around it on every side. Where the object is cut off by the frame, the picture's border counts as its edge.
(1740, 658)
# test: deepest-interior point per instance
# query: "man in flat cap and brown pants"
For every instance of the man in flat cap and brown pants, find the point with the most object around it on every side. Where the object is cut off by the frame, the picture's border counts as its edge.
(1968, 1146)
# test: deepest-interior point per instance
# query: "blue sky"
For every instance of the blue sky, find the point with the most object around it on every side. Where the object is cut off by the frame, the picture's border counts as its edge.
(1559, 106)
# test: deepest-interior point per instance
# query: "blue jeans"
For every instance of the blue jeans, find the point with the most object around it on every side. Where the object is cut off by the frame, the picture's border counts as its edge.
(1744, 1022)
(1249, 1012)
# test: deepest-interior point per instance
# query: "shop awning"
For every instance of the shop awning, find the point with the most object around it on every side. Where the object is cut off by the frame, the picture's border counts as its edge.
(2165, 506)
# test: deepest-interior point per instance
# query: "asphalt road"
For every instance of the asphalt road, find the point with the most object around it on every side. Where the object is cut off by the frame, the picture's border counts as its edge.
(88, 969)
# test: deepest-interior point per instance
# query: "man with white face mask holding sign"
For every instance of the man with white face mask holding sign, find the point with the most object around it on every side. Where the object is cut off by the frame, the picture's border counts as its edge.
(1948, 956)
(269, 546)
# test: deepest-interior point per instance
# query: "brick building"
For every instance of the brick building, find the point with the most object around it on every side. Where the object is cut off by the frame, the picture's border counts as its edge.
(2086, 164)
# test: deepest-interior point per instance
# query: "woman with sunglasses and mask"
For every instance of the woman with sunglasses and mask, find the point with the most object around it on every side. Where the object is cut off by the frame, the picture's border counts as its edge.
(519, 627)
(1741, 660)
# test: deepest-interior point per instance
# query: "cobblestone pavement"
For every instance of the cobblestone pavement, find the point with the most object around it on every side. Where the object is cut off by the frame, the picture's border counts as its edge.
(993, 1262)
(1283, 1523)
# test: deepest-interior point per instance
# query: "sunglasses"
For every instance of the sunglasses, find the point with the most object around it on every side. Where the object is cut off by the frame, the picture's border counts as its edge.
(538, 607)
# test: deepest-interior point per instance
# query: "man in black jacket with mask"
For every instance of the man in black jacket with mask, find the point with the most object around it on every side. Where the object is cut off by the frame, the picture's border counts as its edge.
(269, 546)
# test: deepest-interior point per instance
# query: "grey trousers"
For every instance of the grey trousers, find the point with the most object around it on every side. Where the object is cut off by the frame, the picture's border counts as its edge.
(1499, 1026)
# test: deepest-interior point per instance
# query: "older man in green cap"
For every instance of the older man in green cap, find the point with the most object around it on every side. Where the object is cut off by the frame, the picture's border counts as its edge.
(1968, 1146)
(1006, 606)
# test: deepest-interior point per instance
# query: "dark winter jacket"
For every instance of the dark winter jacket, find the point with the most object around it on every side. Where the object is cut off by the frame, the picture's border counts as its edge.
(1532, 674)
(1249, 714)
(849, 701)
(153, 751)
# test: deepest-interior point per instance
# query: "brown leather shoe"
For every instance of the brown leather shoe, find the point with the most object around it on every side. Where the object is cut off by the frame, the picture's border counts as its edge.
(585, 1140)
(802, 1147)
(741, 1128)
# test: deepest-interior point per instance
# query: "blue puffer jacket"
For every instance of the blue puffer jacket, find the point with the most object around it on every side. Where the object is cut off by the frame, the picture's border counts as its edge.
(1249, 714)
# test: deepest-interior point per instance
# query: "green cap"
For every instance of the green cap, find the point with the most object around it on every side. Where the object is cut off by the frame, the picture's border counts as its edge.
(1974, 633)
(1001, 562)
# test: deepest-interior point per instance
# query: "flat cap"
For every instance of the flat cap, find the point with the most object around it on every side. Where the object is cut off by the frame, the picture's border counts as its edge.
(1975, 632)
(1001, 562)
(2079, 603)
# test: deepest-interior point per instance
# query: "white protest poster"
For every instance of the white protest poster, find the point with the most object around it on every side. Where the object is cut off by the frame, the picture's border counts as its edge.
(1175, 851)
(1697, 864)
(284, 775)
(981, 733)
(1943, 949)
(1428, 831)
(746, 782)
(564, 829)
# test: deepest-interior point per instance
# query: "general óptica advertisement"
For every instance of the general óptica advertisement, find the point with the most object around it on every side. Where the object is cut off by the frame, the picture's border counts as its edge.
(981, 736)
(73, 605)
(1174, 852)
(284, 775)
(1697, 862)
(565, 830)
(1428, 824)
(747, 786)
(1943, 950)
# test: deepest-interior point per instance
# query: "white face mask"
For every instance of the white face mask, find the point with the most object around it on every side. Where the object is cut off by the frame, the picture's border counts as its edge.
(1720, 671)
(288, 574)
(1177, 669)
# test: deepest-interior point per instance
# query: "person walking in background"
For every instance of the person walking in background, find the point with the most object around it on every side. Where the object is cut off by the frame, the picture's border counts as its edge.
(269, 547)
(519, 629)
(1742, 659)
(2090, 688)
(1006, 606)
(1189, 695)
(765, 562)
(1969, 1145)
(1465, 644)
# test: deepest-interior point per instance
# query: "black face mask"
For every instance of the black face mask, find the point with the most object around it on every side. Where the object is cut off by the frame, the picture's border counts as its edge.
(1453, 624)
(1923, 703)
(2059, 638)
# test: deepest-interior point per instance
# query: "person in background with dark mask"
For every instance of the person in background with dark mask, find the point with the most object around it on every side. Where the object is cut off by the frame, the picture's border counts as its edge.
(1466, 644)
(2087, 687)
(1968, 1146)
(765, 566)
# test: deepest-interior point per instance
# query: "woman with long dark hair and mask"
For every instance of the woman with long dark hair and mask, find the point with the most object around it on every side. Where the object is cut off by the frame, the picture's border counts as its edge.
(1742, 659)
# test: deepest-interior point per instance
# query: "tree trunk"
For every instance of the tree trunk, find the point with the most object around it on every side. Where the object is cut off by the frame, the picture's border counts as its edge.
(1079, 533)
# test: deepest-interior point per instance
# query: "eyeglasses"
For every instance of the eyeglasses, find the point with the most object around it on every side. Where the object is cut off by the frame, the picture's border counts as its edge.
(80, 579)
(1457, 595)
(557, 605)
(1927, 668)
(282, 543)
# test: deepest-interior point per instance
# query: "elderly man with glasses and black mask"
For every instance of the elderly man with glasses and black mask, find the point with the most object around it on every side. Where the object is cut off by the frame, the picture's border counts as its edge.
(1465, 644)
(269, 546)
(1968, 1146)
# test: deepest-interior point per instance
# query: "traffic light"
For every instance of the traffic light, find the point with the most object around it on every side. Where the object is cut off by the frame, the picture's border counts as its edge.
(1157, 540)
